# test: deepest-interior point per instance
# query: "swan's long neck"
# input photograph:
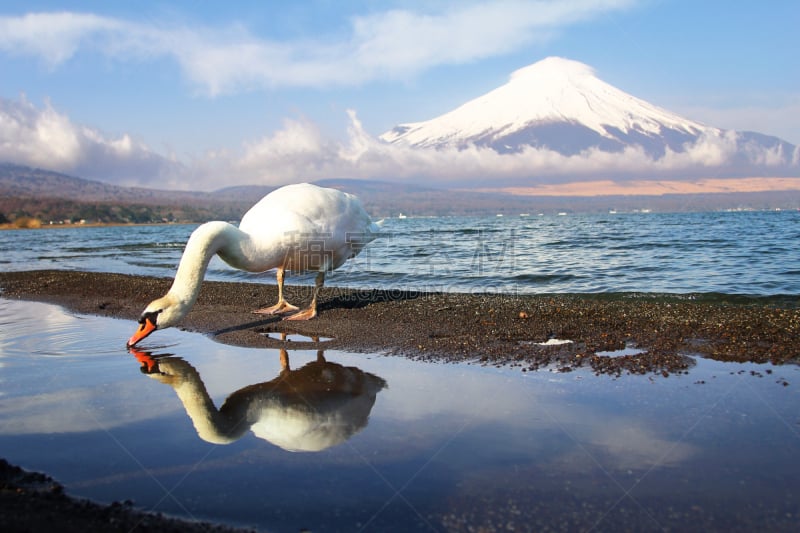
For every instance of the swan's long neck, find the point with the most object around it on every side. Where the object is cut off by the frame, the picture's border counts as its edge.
(208, 239)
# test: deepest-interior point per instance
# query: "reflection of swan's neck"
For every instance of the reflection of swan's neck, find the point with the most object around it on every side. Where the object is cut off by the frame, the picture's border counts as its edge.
(211, 425)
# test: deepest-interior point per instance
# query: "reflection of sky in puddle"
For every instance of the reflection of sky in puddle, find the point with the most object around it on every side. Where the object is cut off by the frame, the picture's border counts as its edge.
(445, 446)
(627, 350)
(294, 337)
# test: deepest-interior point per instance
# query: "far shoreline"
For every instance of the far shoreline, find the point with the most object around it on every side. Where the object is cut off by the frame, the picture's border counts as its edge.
(11, 226)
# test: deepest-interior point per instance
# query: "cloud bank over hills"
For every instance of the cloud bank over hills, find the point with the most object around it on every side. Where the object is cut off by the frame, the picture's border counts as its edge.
(553, 122)
(44, 138)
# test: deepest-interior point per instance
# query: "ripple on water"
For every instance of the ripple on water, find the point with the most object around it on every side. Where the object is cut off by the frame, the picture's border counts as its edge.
(36, 329)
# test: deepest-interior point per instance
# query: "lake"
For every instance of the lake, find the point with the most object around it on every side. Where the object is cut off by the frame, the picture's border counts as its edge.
(332, 441)
(727, 252)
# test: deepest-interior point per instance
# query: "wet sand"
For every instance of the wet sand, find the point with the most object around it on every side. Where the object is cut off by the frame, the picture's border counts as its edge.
(485, 329)
(490, 329)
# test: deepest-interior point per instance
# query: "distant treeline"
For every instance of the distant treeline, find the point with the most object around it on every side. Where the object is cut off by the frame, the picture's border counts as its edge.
(68, 211)
(429, 203)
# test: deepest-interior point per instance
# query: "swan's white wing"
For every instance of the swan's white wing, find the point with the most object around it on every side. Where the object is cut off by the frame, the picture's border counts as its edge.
(314, 226)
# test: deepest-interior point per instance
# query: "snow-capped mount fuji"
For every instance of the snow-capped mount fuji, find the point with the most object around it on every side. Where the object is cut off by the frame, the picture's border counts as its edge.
(561, 105)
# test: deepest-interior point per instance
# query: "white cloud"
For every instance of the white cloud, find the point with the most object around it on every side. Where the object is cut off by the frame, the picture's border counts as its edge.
(393, 44)
(55, 37)
(48, 139)
(299, 151)
(407, 42)
(710, 150)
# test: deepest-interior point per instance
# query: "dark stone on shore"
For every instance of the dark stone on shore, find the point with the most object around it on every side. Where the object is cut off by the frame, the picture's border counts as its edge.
(31, 501)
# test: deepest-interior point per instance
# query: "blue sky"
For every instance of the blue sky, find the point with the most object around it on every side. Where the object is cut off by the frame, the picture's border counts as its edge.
(207, 94)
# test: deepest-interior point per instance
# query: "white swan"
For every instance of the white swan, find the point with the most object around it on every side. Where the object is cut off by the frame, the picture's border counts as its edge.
(298, 227)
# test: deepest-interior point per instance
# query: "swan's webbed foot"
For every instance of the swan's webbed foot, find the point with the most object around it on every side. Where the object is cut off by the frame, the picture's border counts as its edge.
(311, 311)
(305, 314)
(279, 308)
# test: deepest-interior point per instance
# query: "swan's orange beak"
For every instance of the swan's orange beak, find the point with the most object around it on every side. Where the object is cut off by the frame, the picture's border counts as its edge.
(146, 327)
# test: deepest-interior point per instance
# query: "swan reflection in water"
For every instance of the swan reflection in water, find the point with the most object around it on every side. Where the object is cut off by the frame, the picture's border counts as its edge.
(309, 409)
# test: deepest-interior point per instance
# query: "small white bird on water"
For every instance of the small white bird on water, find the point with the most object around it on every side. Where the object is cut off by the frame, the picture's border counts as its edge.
(299, 227)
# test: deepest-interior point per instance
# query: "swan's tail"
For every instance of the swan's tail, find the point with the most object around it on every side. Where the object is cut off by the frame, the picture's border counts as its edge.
(360, 239)
(374, 230)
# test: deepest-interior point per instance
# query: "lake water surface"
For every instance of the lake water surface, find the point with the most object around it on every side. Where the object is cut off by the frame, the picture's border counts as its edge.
(332, 441)
(753, 253)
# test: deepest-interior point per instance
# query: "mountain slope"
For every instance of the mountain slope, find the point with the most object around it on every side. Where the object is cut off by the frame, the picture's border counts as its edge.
(49, 195)
(22, 181)
(560, 105)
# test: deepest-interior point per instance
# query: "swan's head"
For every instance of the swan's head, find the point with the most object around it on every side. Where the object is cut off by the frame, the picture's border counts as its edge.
(160, 314)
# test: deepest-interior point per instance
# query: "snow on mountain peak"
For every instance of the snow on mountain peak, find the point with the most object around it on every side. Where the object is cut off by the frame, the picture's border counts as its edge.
(552, 67)
(554, 91)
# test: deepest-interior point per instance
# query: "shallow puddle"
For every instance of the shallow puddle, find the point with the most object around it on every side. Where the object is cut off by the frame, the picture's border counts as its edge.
(331, 441)
(294, 337)
(628, 350)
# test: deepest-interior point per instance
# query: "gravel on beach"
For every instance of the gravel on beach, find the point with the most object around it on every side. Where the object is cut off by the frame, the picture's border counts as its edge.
(645, 333)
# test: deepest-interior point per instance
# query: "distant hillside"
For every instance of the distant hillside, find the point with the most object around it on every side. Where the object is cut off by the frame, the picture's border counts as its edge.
(16, 180)
(386, 199)
(50, 196)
